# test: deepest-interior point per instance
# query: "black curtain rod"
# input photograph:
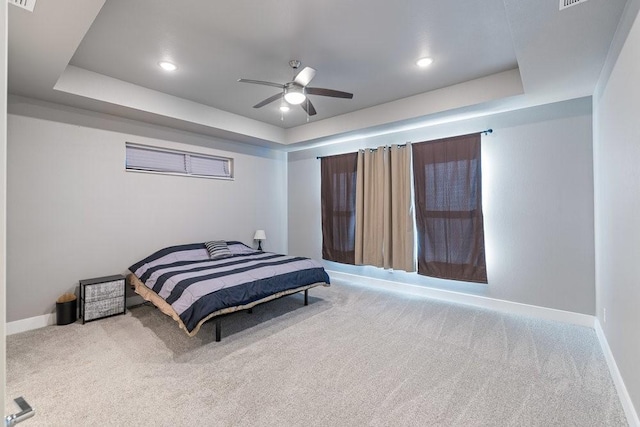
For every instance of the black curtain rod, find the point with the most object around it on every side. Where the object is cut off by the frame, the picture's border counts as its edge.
(485, 132)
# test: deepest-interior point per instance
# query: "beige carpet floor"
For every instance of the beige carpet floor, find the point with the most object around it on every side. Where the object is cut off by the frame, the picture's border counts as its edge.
(355, 356)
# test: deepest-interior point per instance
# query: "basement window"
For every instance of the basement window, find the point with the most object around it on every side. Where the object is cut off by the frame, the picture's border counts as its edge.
(143, 158)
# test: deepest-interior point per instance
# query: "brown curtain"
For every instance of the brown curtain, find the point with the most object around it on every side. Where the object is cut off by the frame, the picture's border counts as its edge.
(338, 200)
(384, 224)
(448, 193)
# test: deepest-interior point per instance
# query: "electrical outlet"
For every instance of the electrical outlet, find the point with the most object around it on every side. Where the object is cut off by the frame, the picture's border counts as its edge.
(604, 315)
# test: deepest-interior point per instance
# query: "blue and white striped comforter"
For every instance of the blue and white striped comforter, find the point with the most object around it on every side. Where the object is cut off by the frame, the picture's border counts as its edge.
(196, 286)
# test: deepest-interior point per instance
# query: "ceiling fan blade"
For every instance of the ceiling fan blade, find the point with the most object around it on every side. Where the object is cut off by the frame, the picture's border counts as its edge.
(308, 107)
(269, 100)
(305, 76)
(260, 82)
(328, 92)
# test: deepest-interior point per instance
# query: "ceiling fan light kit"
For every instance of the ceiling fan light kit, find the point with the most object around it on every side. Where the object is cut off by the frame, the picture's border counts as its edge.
(294, 95)
(296, 91)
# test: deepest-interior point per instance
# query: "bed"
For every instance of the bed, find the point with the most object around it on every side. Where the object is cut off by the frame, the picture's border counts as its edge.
(197, 282)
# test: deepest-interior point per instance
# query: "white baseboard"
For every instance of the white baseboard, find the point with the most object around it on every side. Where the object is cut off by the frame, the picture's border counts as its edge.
(439, 294)
(30, 323)
(507, 307)
(38, 322)
(442, 295)
(623, 394)
(468, 299)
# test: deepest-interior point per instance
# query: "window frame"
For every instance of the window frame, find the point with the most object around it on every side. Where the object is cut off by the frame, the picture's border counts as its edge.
(187, 161)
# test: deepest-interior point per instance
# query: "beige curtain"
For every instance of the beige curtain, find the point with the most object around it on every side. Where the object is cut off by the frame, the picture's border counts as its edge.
(384, 209)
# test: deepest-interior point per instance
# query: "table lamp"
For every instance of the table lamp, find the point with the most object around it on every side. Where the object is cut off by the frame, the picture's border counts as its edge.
(260, 236)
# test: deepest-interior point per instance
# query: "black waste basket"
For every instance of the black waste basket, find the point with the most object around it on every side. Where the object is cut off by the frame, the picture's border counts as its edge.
(66, 309)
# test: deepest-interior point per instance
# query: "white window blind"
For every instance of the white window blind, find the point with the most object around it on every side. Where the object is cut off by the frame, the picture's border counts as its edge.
(209, 166)
(151, 159)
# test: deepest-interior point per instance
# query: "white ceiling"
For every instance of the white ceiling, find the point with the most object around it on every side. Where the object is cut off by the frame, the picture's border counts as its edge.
(103, 55)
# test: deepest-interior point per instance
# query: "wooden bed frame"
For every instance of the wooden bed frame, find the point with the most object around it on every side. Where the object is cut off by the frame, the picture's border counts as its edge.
(149, 295)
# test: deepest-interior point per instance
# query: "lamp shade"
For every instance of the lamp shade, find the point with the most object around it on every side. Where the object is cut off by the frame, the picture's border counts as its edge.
(260, 235)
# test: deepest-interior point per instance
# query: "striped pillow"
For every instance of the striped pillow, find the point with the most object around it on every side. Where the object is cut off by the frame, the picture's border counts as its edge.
(218, 249)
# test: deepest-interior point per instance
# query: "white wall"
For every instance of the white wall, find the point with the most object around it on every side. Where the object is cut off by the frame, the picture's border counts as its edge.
(3, 186)
(537, 203)
(617, 209)
(75, 213)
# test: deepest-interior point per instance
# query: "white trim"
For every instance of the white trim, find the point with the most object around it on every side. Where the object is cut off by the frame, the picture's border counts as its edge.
(623, 394)
(38, 322)
(469, 299)
(30, 323)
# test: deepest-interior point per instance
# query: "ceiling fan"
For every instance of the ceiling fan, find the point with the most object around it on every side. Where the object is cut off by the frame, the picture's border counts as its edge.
(295, 92)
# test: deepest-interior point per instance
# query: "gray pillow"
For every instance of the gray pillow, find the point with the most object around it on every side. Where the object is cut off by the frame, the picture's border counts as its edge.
(218, 249)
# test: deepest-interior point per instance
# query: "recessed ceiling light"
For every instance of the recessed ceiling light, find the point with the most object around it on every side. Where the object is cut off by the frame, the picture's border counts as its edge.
(284, 108)
(168, 66)
(424, 62)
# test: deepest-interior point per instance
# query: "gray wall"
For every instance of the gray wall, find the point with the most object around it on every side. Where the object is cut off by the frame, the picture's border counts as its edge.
(537, 202)
(75, 213)
(617, 210)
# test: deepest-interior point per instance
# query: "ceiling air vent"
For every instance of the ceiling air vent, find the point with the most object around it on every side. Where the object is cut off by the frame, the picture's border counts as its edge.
(568, 3)
(25, 4)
